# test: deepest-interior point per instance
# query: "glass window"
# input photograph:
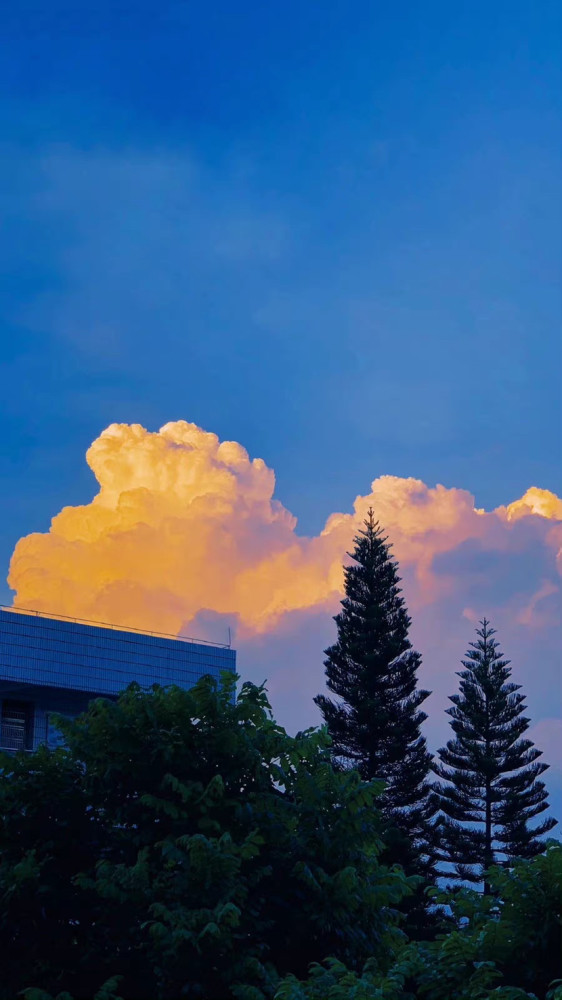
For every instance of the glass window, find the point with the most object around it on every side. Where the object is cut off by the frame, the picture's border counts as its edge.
(16, 728)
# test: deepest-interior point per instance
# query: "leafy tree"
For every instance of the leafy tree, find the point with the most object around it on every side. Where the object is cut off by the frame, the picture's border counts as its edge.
(184, 845)
(492, 789)
(375, 723)
(526, 942)
(489, 949)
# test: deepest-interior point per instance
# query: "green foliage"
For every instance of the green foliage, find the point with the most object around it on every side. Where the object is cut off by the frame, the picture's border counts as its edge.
(527, 941)
(105, 992)
(184, 845)
(491, 789)
(419, 974)
(476, 957)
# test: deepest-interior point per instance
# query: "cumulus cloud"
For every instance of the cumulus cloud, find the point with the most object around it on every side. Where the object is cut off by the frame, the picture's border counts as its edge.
(184, 523)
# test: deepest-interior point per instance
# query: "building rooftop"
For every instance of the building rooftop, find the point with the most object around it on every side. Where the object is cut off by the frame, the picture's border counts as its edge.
(101, 658)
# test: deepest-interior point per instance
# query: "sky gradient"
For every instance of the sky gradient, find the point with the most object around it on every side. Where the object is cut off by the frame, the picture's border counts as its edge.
(330, 234)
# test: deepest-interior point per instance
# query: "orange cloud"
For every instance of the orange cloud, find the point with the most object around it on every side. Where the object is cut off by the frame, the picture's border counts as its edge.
(535, 501)
(184, 523)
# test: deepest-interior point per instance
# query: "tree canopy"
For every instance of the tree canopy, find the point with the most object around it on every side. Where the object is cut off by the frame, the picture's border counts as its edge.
(185, 844)
(505, 946)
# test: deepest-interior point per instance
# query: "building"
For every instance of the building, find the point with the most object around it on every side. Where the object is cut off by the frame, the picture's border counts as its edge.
(57, 665)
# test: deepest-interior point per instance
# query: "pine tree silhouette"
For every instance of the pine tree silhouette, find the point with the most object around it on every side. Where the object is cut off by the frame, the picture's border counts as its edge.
(491, 789)
(375, 724)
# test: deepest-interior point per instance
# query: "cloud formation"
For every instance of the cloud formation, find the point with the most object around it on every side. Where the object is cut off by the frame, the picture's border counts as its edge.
(185, 523)
(185, 537)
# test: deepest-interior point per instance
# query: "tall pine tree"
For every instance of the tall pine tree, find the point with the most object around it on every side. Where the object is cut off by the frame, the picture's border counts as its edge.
(491, 789)
(375, 723)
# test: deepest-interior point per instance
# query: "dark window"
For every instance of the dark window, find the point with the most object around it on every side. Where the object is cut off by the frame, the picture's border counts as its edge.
(16, 725)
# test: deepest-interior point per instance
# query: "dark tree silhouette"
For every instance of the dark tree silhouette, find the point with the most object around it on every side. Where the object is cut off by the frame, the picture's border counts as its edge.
(491, 789)
(375, 724)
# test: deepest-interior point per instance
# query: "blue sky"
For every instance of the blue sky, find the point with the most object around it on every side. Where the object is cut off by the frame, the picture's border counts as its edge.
(330, 232)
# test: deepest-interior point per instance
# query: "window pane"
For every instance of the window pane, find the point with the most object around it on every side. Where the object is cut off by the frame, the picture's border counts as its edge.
(15, 730)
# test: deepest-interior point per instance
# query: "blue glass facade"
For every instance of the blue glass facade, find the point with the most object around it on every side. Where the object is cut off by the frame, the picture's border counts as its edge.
(53, 665)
